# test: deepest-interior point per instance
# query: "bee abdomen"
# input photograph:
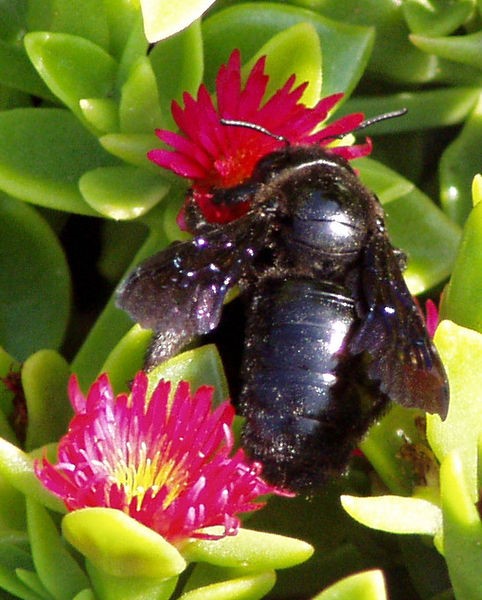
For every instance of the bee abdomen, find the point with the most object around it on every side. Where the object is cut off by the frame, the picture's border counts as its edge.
(306, 402)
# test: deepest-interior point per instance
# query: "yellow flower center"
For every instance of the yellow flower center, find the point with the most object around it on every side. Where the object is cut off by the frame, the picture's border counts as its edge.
(140, 473)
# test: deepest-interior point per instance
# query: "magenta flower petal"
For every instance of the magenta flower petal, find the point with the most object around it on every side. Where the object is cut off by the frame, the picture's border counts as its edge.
(214, 156)
(168, 463)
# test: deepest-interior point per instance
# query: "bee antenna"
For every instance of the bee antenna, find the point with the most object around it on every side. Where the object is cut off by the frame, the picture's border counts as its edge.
(256, 127)
(384, 117)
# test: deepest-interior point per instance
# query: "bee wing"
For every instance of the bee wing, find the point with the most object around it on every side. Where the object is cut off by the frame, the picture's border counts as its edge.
(179, 292)
(392, 333)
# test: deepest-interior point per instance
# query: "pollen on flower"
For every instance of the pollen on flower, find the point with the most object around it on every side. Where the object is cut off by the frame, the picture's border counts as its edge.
(213, 155)
(167, 463)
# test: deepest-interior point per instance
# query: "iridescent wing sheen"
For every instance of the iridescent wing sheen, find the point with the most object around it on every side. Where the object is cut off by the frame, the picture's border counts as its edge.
(401, 355)
(179, 292)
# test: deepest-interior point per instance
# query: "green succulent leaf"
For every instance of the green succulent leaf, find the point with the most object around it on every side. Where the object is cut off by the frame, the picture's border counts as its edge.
(248, 549)
(113, 587)
(248, 26)
(34, 281)
(139, 110)
(32, 581)
(462, 300)
(114, 323)
(44, 168)
(132, 148)
(12, 511)
(448, 106)
(415, 224)
(395, 514)
(383, 443)
(201, 366)
(462, 543)
(178, 66)
(248, 587)
(86, 19)
(369, 585)
(295, 50)
(460, 162)
(45, 376)
(102, 114)
(127, 357)
(436, 17)
(87, 594)
(58, 571)
(18, 72)
(465, 49)
(461, 353)
(122, 192)
(117, 544)
(122, 18)
(163, 18)
(393, 59)
(17, 468)
(85, 71)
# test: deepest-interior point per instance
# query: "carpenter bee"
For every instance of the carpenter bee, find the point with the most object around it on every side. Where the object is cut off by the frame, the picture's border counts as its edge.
(332, 334)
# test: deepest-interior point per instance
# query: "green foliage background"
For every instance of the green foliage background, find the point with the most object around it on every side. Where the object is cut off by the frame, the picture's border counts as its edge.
(81, 93)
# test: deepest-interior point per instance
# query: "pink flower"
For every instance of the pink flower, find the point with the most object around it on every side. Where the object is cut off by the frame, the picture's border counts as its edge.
(213, 155)
(166, 463)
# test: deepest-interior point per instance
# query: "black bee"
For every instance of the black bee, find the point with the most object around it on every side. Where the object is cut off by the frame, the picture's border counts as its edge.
(332, 333)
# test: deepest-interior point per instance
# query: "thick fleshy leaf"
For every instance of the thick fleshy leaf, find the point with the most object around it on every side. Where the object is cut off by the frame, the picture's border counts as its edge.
(45, 375)
(131, 147)
(85, 71)
(12, 20)
(415, 224)
(32, 581)
(113, 587)
(43, 152)
(87, 594)
(462, 299)
(34, 281)
(249, 587)
(114, 323)
(461, 353)
(163, 18)
(395, 514)
(11, 584)
(436, 17)
(462, 528)
(459, 164)
(466, 49)
(383, 447)
(101, 113)
(393, 57)
(139, 110)
(17, 72)
(12, 510)
(17, 468)
(201, 366)
(249, 550)
(295, 50)
(58, 571)
(248, 26)
(127, 358)
(8, 366)
(178, 66)
(122, 192)
(86, 19)
(120, 18)
(448, 106)
(369, 585)
(117, 544)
